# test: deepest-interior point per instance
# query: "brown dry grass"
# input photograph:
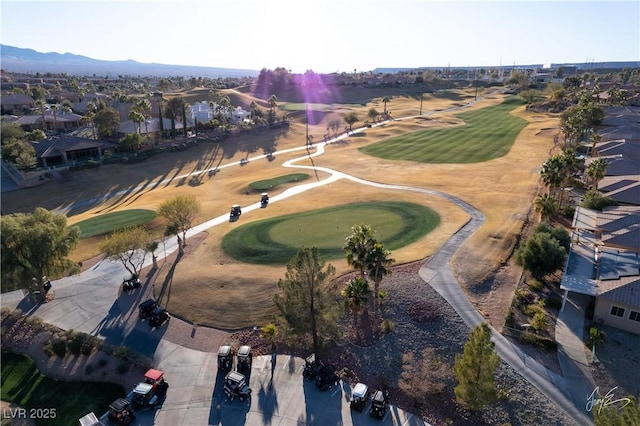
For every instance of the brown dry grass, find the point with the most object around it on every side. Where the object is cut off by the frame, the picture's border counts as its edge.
(502, 189)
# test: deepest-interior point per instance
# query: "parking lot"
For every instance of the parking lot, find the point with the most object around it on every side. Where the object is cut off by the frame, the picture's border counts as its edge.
(280, 396)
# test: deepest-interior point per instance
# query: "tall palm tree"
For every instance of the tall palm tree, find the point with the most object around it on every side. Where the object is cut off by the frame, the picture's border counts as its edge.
(546, 205)
(273, 102)
(41, 106)
(384, 101)
(357, 245)
(224, 106)
(137, 118)
(377, 263)
(553, 173)
(596, 170)
(253, 107)
(356, 293)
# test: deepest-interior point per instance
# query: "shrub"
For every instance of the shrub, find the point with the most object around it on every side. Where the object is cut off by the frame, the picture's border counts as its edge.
(59, 347)
(531, 310)
(542, 342)
(47, 349)
(102, 362)
(568, 211)
(88, 369)
(535, 285)
(121, 352)
(539, 321)
(386, 326)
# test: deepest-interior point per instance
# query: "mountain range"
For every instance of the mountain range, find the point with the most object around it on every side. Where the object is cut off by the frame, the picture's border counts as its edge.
(16, 59)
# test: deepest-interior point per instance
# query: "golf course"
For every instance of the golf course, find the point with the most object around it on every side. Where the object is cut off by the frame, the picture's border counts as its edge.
(485, 152)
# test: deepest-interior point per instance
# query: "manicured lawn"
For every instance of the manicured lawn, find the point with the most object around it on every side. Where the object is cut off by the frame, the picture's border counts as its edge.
(276, 240)
(269, 184)
(110, 222)
(23, 384)
(488, 133)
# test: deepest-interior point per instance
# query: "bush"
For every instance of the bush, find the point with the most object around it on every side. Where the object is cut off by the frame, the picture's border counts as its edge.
(102, 363)
(535, 285)
(386, 326)
(539, 321)
(532, 310)
(542, 342)
(88, 369)
(59, 347)
(568, 211)
(47, 349)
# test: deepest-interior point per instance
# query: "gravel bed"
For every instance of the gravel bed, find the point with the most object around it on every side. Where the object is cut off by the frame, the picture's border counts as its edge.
(520, 404)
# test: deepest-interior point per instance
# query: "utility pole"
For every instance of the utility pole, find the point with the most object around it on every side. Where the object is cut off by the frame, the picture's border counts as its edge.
(421, 96)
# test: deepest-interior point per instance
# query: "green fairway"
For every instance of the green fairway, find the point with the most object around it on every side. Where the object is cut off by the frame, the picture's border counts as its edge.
(488, 133)
(275, 241)
(52, 402)
(268, 184)
(110, 222)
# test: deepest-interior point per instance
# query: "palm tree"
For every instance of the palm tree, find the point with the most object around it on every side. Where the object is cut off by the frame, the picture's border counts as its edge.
(384, 101)
(596, 170)
(273, 102)
(377, 263)
(253, 107)
(553, 173)
(137, 118)
(223, 108)
(546, 205)
(357, 245)
(41, 106)
(596, 337)
(356, 293)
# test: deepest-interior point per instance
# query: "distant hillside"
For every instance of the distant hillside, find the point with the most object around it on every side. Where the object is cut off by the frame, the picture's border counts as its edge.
(15, 59)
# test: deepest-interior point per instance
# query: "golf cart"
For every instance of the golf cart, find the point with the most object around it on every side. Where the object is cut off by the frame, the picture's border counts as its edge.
(149, 392)
(264, 200)
(244, 358)
(120, 412)
(158, 316)
(379, 404)
(359, 397)
(311, 367)
(146, 308)
(235, 384)
(235, 213)
(225, 358)
(326, 377)
(131, 283)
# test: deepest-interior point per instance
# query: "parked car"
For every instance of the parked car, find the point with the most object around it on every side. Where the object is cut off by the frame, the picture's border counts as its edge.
(225, 358)
(379, 404)
(235, 384)
(359, 397)
(235, 213)
(146, 308)
(312, 366)
(326, 377)
(120, 412)
(245, 358)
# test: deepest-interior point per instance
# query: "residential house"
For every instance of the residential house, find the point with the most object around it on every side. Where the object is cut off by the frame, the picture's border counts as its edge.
(604, 262)
(65, 149)
(16, 104)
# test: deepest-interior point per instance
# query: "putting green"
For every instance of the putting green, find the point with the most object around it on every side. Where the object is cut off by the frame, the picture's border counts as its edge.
(275, 241)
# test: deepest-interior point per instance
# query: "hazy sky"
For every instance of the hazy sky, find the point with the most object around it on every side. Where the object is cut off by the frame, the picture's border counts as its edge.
(329, 35)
